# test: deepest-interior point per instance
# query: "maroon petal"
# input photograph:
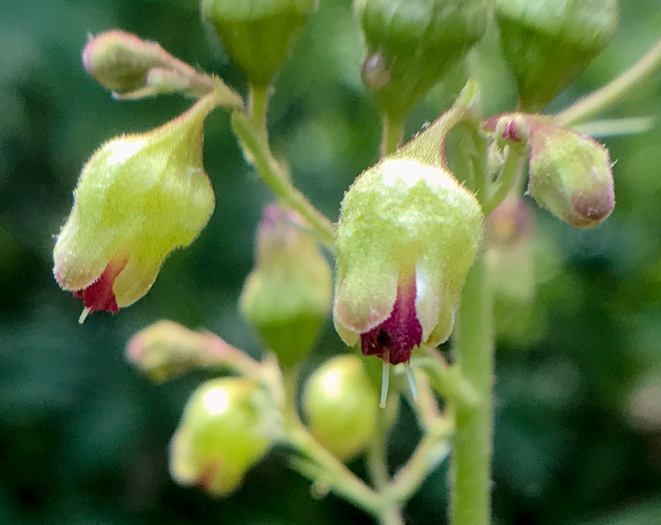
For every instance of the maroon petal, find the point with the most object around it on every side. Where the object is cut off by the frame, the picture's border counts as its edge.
(400, 333)
(99, 294)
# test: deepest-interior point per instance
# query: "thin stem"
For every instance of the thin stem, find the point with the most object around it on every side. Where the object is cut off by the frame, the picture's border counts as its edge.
(615, 91)
(322, 464)
(431, 449)
(258, 100)
(377, 463)
(332, 471)
(253, 141)
(504, 182)
(471, 454)
(392, 133)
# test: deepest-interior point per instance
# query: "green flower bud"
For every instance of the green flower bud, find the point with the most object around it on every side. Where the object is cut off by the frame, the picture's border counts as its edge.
(570, 173)
(548, 42)
(412, 43)
(407, 235)
(341, 405)
(222, 434)
(138, 198)
(257, 34)
(288, 295)
(134, 68)
(166, 349)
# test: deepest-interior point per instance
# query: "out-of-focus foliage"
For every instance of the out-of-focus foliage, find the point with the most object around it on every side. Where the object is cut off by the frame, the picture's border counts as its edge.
(83, 437)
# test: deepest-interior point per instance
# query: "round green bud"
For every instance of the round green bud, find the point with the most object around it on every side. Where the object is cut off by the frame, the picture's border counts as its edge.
(257, 34)
(412, 43)
(340, 405)
(223, 432)
(548, 42)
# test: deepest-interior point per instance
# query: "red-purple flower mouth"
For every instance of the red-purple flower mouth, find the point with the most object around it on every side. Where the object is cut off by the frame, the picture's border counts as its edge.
(99, 295)
(396, 337)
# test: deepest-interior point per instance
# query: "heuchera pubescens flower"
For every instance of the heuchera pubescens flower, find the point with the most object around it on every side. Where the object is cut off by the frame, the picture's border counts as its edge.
(138, 198)
(407, 236)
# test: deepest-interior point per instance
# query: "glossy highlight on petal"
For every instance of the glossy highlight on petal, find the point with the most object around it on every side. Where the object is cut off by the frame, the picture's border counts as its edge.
(399, 334)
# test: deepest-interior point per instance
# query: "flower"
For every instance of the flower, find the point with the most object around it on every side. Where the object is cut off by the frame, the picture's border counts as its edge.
(138, 198)
(407, 236)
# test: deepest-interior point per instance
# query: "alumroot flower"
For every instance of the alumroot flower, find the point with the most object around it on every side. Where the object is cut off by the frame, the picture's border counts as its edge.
(138, 198)
(406, 238)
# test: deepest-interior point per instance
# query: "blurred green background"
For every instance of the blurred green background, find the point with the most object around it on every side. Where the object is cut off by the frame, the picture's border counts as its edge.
(84, 437)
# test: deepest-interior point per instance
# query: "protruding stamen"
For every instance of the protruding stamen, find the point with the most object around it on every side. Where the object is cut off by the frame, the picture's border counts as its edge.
(83, 315)
(412, 383)
(385, 378)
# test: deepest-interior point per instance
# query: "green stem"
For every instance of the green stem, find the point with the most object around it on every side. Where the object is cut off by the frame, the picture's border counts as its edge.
(258, 100)
(471, 454)
(332, 471)
(324, 466)
(254, 143)
(504, 182)
(447, 380)
(615, 91)
(392, 133)
(377, 463)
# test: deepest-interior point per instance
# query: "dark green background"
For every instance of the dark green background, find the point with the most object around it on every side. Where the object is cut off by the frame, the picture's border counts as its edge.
(83, 436)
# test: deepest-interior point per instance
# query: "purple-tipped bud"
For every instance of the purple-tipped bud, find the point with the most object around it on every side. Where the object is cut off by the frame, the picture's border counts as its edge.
(570, 173)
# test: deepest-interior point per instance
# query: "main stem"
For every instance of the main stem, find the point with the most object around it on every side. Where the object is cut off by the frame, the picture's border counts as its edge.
(471, 455)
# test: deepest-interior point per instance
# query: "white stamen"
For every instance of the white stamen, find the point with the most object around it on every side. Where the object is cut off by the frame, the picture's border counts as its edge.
(412, 384)
(84, 314)
(385, 378)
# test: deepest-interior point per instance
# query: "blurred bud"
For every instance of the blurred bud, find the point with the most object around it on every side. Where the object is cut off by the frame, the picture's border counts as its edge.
(340, 405)
(408, 233)
(222, 434)
(288, 295)
(547, 42)
(411, 44)
(134, 68)
(167, 349)
(257, 34)
(570, 174)
(510, 224)
(138, 198)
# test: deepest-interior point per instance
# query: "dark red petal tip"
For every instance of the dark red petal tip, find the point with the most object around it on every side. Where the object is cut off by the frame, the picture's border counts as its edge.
(99, 295)
(399, 334)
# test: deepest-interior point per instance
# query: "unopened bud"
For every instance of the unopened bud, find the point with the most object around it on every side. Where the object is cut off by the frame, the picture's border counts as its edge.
(411, 45)
(288, 295)
(257, 35)
(167, 349)
(548, 42)
(223, 432)
(341, 405)
(570, 173)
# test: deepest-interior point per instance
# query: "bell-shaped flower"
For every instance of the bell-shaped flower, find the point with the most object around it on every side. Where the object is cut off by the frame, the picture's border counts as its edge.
(138, 198)
(406, 238)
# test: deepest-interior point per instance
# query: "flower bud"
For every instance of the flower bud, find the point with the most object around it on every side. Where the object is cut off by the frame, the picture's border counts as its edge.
(138, 198)
(547, 42)
(570, 173)
(167, 349)
(257, 34)
(407, 235)
(222, 434)
(341, 405)
(412, 43)
(288, 295)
